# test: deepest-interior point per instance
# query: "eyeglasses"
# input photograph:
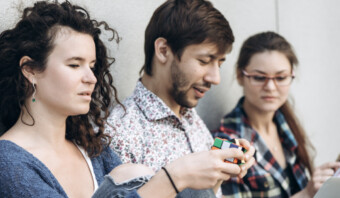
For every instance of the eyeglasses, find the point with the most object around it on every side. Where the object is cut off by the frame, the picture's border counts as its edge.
(260, 80)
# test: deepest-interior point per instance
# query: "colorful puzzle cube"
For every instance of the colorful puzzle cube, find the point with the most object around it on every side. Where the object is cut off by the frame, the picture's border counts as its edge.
(225, 144)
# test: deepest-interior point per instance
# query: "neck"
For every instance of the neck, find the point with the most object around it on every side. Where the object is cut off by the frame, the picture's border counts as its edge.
(161, 90)
(261, 121)
(49, 129)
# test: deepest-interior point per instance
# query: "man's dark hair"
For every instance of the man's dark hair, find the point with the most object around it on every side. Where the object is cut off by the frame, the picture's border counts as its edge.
(183, 23)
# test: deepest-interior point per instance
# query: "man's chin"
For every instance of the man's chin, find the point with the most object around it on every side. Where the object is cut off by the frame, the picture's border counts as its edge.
(188, 104)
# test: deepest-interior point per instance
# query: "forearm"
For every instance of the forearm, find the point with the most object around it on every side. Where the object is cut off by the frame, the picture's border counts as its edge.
(158, 186)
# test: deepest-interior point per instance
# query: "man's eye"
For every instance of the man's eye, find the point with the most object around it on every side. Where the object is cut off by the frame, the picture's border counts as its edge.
(203, 62)
(260, 78)
(281, 78)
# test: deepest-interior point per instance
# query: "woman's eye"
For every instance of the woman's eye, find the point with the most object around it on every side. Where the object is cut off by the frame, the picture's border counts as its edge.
(281, 78)
(73, 65)
(260, 78)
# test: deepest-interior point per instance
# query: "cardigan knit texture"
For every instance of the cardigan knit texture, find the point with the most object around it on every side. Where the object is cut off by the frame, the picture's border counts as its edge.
(23, 175)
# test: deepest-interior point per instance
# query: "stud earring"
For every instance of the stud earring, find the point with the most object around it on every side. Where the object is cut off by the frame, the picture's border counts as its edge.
(33, 96)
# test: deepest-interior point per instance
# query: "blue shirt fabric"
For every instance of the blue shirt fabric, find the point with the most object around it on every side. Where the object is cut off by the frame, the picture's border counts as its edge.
(265, 178)
(23, 175)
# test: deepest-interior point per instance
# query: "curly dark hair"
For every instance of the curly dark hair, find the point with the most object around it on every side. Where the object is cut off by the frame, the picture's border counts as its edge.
(33, 36)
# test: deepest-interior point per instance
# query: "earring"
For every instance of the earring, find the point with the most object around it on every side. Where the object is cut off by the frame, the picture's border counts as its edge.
(33, 96)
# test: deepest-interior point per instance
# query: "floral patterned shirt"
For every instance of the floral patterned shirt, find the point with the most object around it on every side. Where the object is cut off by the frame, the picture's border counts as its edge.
(150, 133)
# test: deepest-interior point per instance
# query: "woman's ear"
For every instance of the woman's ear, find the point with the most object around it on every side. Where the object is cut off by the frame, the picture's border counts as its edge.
(162, 50)
(239, 77)
(26, 70)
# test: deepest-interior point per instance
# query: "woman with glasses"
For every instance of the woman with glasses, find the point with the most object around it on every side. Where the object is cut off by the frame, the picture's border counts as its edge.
(265, 70)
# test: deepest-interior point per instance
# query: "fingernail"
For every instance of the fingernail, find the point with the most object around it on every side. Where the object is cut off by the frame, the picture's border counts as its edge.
(243, 168)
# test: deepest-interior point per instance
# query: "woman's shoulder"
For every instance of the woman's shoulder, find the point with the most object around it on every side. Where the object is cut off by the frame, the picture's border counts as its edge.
(10, 151)
(14, 157)
(21, 173)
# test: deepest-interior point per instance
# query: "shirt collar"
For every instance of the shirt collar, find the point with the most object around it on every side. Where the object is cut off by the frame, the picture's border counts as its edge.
(284, 131)
(154, 108)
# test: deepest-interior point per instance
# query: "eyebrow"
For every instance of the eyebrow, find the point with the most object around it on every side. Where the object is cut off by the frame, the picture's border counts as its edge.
(213, 57)
(77, 58)
(262, 72)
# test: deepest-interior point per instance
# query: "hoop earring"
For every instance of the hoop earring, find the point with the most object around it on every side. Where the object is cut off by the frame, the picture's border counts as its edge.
(33, 96)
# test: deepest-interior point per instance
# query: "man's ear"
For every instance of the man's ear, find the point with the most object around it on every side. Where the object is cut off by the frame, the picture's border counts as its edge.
(162, 50)
(239, 77)
(25, 69)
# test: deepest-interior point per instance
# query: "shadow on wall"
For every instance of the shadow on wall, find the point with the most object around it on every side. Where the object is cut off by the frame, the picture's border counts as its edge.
(213, 107)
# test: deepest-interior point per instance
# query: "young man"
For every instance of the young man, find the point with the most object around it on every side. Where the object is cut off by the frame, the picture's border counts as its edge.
(186, 42)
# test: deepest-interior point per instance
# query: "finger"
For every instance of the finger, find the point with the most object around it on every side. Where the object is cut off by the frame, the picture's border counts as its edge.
(225, 176)
(246, 166)
(231, 169)
(231, 153)
(326, 172)
(318, 179)
(249, 163)
(324, 178)
(245, 143)
(322, 171)
(250, 153)
(337, 165)
(333, 165)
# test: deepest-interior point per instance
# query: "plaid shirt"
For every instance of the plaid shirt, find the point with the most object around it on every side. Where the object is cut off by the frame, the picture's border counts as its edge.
(265, 178)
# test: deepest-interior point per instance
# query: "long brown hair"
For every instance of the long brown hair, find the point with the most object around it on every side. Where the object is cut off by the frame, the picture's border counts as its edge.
(270, 41)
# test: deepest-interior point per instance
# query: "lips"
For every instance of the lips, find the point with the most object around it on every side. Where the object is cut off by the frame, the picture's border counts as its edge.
(200, 91)
(86, 95)
(268, 97)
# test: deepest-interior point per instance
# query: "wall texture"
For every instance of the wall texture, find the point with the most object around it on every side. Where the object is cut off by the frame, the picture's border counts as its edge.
(312, 27)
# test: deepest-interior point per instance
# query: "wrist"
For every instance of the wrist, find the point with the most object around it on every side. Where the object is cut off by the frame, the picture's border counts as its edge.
(171, 180)
(177, 177)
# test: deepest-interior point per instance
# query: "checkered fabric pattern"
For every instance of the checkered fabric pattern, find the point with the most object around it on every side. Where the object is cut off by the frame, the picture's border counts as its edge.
(265, 178)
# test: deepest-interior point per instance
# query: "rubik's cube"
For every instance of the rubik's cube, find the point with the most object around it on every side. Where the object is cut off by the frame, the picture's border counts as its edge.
(225, 144)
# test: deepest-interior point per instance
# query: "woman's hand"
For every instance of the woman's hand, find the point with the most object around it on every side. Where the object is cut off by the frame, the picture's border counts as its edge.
(320, 175)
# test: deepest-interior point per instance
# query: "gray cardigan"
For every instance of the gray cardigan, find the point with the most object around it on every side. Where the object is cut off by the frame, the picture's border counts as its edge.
(23, 175)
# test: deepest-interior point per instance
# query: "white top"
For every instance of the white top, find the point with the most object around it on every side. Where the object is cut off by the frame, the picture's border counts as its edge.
(89, 164)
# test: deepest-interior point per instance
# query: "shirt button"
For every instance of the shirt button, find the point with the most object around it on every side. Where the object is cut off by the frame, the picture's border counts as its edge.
(265, 184)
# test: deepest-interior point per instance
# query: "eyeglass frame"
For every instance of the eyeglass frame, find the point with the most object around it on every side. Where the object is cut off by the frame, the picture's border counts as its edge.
(273, 78)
